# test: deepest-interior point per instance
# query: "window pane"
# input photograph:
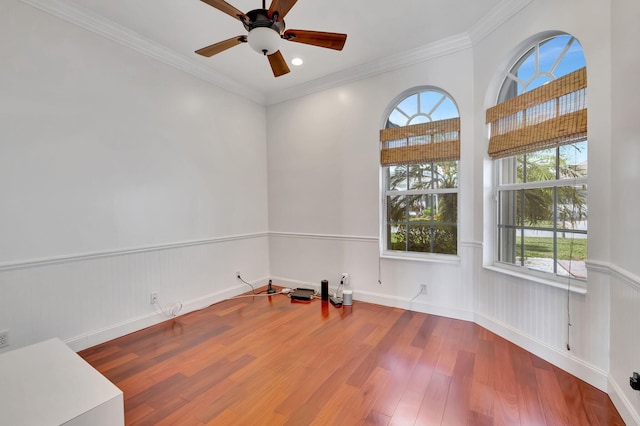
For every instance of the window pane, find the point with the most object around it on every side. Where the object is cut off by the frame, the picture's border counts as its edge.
(419, 119)
(508, 208)
(409, 105)
(573, 160)
(519, 164)
(396, 209)
(445, 207)
(510, 170)
(419, 207)
(527, 68)
(430, 101)
(445, 239)
(445, 174)
(538, 250)
(419, 238)
(397, 119)
(396, 237)
(541, 165)
(538, 207)
(551, 51)
(510, 249)
(572, 60)
(397, 178)
(420, 176)
(447, 109)
(572, 254)
(537, 82)
(572, 207)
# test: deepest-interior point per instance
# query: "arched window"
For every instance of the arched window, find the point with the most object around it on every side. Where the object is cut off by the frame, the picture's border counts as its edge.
(539, 144)
(420, 149)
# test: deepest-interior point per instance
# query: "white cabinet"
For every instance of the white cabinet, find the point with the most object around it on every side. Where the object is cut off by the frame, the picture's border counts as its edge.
(49, 384)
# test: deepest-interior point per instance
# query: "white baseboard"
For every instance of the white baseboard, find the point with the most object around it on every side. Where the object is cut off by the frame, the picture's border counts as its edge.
(624, 406)
(120, 329)
(385, 300)
(415, 304)
(566, 361)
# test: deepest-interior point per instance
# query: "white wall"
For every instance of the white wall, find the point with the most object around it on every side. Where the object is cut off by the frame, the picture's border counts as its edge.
(119, 175)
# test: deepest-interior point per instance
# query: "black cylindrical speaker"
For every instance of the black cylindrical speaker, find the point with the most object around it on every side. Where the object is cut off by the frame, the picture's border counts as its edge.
(324, 290)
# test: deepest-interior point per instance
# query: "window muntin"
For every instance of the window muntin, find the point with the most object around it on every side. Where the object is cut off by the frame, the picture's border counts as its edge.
(421, 199)
(542, 195)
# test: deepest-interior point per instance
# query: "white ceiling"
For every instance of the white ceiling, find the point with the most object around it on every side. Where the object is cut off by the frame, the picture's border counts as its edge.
(378, 31)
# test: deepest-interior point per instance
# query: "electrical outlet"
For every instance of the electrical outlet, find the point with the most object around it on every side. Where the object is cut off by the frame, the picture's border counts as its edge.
(4, 338)
(344, 279)
(423, 289)
(153, 298)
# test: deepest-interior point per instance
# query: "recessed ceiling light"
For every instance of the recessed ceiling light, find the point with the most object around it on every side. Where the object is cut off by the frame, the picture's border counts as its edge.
(297, 61)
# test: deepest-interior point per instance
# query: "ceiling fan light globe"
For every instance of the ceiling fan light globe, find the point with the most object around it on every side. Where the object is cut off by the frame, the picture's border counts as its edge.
(264, 40)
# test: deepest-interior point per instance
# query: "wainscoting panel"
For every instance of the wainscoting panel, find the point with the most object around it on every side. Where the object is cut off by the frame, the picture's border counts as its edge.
(625, 343)
(90, 298)
(536, 316)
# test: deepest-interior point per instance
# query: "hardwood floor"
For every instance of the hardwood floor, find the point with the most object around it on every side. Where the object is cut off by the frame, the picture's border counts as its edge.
(270, 361)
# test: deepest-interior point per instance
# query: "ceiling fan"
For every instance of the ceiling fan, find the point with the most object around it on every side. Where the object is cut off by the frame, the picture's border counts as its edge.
(266, 28)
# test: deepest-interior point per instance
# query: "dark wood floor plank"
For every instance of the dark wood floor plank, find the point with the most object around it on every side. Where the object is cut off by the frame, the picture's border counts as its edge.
(530, 406)
(456, 410)
(506, 410)
(266, 360)
(435, 400)
(375, 418)
(504, 377)
(481, 399)
(406, 411)
(555, 409)
(360, 406)
(483, 363)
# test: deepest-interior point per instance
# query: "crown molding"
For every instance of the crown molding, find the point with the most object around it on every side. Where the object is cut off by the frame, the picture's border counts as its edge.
(400, 60)
(497, 16)
(128, 38)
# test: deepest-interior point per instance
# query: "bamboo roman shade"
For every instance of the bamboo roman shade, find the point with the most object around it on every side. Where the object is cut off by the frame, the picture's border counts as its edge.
(546, 117)
(419, 143)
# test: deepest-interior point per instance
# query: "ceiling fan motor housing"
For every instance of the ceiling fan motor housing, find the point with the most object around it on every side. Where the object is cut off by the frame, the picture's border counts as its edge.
(259, 18)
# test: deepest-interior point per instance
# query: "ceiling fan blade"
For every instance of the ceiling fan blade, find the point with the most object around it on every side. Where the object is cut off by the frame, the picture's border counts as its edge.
(317, 38)
(225, 7)
(278, 64)
(221, 46)
(282, 7)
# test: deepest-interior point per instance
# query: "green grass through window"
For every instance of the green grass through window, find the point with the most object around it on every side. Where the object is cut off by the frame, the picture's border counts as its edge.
(575, 249)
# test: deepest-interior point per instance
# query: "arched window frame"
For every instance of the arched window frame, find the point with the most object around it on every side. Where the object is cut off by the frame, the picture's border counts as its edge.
(433, 118)
(564, 225)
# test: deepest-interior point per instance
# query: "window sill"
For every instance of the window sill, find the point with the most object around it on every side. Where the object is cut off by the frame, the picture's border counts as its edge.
(421, 257)
(574, 286)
